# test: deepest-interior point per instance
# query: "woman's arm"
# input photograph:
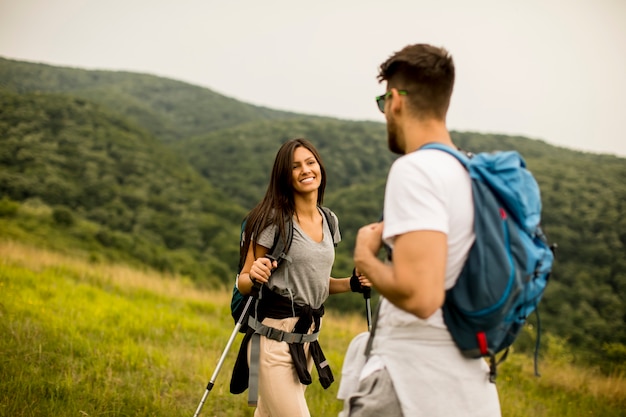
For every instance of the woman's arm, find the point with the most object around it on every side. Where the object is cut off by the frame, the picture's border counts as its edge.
(339, 285)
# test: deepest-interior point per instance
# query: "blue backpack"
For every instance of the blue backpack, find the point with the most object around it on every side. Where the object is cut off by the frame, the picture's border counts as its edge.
(508, 265)
(277, 252)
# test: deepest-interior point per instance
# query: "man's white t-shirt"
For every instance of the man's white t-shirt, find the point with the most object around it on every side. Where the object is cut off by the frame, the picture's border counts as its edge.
(428, 190)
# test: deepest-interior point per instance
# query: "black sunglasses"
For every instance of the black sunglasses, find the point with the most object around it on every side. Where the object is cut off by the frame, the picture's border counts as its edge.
(380, 100)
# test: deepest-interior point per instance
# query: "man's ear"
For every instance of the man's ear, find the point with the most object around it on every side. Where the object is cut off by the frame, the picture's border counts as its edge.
(397, 101)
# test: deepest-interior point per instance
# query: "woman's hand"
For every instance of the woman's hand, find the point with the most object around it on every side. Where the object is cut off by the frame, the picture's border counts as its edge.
(358, 281)
(363, 279)
(261, 270)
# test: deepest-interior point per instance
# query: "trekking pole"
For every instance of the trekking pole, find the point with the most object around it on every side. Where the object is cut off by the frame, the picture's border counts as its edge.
(367, 295)
(356, 286)
(209, 386)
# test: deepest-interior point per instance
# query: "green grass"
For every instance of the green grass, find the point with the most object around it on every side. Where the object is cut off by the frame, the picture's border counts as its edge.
(90, 339)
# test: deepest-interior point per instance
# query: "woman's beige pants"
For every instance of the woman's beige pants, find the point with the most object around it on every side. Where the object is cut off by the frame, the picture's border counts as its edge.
(281, 394)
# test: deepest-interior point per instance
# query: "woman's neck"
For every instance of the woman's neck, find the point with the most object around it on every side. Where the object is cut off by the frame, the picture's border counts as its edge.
(306, 207)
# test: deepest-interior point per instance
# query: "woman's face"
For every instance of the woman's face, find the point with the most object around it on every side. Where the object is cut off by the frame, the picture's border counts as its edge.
(306, 172)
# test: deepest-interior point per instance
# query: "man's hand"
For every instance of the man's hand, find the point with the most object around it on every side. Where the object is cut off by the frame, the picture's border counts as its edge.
(368, 243)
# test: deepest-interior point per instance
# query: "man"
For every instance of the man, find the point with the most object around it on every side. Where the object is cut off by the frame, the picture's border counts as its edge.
(414, 368)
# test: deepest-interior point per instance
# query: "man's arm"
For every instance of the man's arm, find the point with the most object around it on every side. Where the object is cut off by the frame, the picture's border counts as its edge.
(415, 280)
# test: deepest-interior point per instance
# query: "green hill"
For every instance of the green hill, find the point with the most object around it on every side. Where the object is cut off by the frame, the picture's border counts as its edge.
(135, 168)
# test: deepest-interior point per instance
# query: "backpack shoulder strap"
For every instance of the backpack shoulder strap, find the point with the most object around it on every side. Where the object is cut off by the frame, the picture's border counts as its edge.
(332, 223)
(279, 248)
(461, 156)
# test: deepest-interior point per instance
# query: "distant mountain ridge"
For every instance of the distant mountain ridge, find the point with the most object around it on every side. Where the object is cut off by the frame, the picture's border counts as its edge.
(169, 109)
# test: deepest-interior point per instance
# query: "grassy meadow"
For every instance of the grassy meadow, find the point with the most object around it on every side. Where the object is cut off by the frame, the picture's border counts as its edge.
(81, 338)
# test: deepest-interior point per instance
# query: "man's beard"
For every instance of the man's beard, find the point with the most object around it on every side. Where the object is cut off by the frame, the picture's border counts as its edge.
(393, 140)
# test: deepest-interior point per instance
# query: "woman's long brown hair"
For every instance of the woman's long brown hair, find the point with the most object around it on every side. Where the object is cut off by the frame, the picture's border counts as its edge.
(278, 205)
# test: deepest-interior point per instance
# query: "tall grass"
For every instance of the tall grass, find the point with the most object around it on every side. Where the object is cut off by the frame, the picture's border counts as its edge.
(92, 339)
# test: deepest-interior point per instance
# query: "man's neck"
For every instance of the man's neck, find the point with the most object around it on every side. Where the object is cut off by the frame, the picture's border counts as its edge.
(417, 133)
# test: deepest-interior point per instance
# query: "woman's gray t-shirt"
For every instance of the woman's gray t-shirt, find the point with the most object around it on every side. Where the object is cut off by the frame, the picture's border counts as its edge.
(305, 277)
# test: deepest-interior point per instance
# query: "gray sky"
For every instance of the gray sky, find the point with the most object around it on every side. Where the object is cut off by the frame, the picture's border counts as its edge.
(546, 69)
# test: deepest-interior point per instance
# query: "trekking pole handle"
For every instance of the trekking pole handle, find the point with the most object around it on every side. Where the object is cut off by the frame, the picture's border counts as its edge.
(367, 295)
(368, 314)
(271, 258)
(367, 292)
(256, 285)
(355, 285)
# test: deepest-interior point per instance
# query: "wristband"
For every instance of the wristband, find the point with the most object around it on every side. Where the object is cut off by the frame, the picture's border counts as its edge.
(355, 284)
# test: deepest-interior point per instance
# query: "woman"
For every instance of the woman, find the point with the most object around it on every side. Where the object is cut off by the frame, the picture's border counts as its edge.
(281, 342)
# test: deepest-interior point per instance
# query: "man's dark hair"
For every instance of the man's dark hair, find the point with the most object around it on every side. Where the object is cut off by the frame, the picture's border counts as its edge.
(426, 73)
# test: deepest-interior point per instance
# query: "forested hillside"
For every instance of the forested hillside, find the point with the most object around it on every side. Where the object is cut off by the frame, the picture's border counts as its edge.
(166, 108)
(87, 163)
(133, 167)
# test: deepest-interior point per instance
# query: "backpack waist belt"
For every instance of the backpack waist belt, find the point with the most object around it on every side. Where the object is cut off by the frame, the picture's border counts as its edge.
(281, 335)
